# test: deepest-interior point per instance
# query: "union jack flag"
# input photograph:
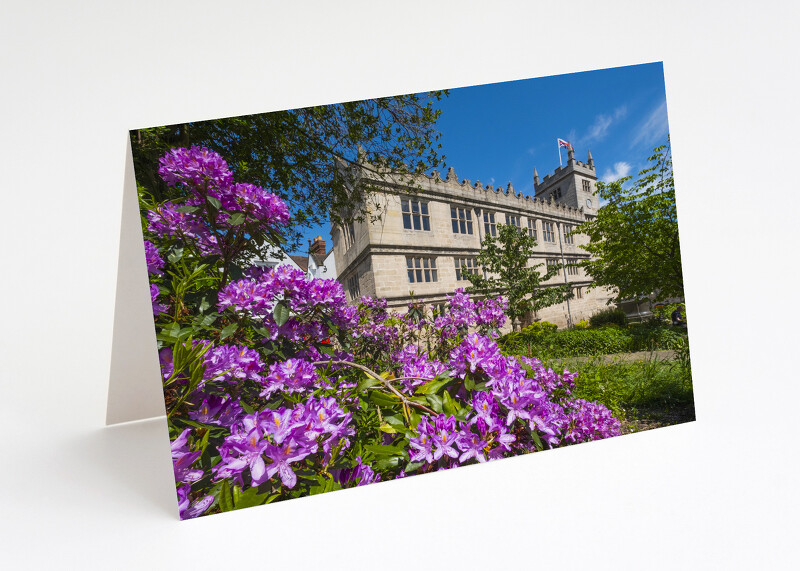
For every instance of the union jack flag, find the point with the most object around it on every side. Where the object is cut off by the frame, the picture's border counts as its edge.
(563, 143)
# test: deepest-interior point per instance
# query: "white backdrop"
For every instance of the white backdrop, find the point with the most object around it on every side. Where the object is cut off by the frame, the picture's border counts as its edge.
(717, 493)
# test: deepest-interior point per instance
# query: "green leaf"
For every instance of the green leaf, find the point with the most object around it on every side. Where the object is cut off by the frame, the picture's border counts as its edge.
(326, 349)
(250, 498)
(394, 421)
(175, 255)
(435, 401)
(228, 331)
(203, 305)
(386, 463)
(235, 272)
(469, 383)
(280, 313)
(412, 466)
(188, 208)
(434, 386)
(387, 428)
(449, 406)
(382, 399)
(225, 497)
(214, 201)
(366, 383)
(384, 450)
(206, 320)
(236, 218)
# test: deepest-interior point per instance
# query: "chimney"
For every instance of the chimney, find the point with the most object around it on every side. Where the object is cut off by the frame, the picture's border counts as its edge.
(318, 247)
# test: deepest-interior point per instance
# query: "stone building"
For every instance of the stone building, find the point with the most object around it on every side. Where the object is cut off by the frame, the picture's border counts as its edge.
(428, 239)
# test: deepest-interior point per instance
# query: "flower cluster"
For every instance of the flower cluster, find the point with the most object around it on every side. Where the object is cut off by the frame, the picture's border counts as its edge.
(232, 363)
(463, 312)
(417, 367)
(290, 376)
(474, 438)
(268, 442)
(216, 204)
(167, 221)
(258, 295)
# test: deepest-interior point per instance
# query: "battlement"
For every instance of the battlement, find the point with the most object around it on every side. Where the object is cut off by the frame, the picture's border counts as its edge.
(496, 197)
(450, 188)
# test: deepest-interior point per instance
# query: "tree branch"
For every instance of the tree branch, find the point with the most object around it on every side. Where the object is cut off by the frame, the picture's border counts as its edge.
(385, 382)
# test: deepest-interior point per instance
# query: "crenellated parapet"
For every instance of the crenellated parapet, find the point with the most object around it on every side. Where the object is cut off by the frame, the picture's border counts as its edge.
(464, 191)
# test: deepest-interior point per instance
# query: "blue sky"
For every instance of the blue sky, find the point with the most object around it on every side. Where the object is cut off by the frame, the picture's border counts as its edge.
(499, 132)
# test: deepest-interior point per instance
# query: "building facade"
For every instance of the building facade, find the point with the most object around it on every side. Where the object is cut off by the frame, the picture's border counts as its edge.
(427, 240)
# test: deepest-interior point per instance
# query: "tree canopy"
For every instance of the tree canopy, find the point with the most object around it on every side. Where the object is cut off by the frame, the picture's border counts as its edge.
(634, 238)
(301, 155)
(505, 261)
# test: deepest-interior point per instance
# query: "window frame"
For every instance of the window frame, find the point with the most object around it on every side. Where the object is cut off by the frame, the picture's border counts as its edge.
(511, 218)
(489, 222)
(421, 269)
(354, 287)
(532, 229)
(548, 229)
(465, 265)
(568, 237)
(461, 225)
(416, 214)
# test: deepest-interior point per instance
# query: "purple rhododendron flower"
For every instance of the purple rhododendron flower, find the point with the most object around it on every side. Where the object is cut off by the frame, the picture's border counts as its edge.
(242, 450)
(362, 474)
(183, 458)
(282, 456)
(232, 363)
(187, 510)
(155, 264)
(157, 307)
(218, 410)
(290, 376)
(472, 446)
(194, 167)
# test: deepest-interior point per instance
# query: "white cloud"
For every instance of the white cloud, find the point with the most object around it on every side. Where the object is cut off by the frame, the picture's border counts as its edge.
(621, 169)
(654, 128)
(599, 129)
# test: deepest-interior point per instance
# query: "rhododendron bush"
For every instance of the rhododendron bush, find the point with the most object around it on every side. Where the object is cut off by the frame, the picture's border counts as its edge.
(276, 388)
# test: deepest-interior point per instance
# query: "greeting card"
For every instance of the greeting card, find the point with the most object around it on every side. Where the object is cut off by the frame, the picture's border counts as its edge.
(352, 293)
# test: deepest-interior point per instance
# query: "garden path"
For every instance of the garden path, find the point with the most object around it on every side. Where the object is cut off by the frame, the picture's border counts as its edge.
(627, 357)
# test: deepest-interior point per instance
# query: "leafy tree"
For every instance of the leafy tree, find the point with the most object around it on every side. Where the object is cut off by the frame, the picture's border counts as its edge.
(505, 260)
(308, 156)
(634, 238)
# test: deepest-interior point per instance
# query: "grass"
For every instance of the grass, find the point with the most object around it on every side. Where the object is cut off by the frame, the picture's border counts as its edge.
(643, 394)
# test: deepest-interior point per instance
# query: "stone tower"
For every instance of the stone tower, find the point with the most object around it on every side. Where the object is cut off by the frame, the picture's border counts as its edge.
(573, 185)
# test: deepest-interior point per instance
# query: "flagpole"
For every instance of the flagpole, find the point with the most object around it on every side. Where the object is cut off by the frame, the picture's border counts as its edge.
(559, 153)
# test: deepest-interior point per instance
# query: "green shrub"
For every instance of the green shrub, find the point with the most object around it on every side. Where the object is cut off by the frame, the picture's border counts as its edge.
(537, 327)
(609, 339)
(654, 335)
(609, 316)
(584, 324)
